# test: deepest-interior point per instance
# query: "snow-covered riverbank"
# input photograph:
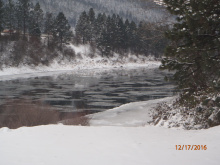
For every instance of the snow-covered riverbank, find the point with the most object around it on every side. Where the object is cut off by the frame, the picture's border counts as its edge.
(58, 144)
(56, 68)
(118, 136)
(133, 114)
(83, 63)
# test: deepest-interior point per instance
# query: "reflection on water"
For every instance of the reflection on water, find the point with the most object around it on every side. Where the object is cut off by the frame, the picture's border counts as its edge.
(22, 112)
(91, 92)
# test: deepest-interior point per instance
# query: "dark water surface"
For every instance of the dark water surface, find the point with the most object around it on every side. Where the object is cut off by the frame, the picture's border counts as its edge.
(70, 92)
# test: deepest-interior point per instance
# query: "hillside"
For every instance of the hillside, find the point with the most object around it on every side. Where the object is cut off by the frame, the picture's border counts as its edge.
(136, 10)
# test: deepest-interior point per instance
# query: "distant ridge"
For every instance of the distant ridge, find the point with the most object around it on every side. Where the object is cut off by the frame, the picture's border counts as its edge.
(136, 10)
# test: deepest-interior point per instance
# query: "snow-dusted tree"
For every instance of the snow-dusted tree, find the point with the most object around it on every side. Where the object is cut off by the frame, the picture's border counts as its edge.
(61, 32)
(104, 43)
(23, 12)
(141, 42)
(82, 27)
(91, 15)
(100, 25)
(1, 16)
(120, 34)
(132, 34)
(10, 15)
(48, 26)
(36, 20)
(127, 33)
(194, 52)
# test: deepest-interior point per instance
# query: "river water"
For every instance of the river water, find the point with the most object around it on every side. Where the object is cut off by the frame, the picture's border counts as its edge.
(91, 92)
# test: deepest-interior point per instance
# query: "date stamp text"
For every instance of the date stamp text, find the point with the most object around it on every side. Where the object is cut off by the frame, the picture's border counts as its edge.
(191, 147)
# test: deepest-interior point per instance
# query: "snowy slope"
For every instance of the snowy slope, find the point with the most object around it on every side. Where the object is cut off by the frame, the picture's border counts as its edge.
(132, 114)
(57, 144)
(126, 144)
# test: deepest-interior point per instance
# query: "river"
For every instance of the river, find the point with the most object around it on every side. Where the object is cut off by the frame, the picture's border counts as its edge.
(90, 92)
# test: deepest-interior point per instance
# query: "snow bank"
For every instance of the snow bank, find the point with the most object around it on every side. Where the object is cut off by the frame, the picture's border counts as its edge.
(83, 62)
(132, 114)
(108, 145)
(58, 144)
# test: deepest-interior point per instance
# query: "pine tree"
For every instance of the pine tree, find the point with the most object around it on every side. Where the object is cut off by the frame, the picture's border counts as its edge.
(10, 15)
(112, 29)
(61, 32)
(35, 21)
(103, 43)
(99, 26)
(120, 35)
(127, 34)
(23, 13)
(91, 33)
(141, 46)
(132, 33)
(194, 52)
(158, 42)
(1, 16)
(49, 26)
(82, 27)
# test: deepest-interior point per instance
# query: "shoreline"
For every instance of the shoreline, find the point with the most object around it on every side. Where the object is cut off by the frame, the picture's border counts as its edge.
(81, 69)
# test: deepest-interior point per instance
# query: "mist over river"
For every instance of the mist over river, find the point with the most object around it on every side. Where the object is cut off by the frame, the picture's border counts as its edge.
(92, 92)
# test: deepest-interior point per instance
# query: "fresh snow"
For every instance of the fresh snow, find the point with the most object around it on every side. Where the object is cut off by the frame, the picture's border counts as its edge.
(58, 144)
(118, 136)
(132, 114)
(83, 63)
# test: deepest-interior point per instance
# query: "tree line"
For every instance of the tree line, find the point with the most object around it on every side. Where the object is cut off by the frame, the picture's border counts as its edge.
(31, 36)
(108, 34)
(40, 36)
(112, 34)
(27, 19)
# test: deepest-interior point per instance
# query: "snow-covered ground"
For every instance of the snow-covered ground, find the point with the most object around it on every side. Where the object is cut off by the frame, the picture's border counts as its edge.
(119, 136)
(132, 114)
(82, 63)
(58, 144)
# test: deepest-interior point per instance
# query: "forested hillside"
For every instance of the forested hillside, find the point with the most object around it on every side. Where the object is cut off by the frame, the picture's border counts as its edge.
(36, 36)
(134, 10)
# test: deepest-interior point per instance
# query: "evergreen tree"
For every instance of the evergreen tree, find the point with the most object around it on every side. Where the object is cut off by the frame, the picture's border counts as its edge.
(99, 26)
(82, 27)
(194, 52)
(91, 15)
(158, 42)
(10, 15)
(120, 35)
(103, 43)
(49, 26)
(23, 12)
(112, 29)
(111, 34)
(132, 33)
(91, 32)
(1, 16)
(61, 32)
(141, 46)
(35, 21)
(127, 34)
